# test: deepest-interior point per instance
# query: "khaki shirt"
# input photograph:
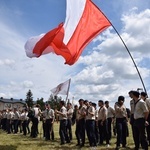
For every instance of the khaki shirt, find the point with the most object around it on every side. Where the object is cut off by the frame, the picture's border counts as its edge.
(147, 101)
(82, 112)
(16, 115)
(70, 113)
(91, 109)
(140, 109)
(63, 110)
(110, 112)
(120, 111)
(102, 113)
(48, 113)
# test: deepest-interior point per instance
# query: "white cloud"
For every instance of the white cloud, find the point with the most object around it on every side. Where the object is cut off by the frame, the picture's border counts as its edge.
(105, 73)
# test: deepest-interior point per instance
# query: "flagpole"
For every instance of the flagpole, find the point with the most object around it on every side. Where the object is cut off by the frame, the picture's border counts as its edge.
(68, 90)
(130, 57)
(127, 51)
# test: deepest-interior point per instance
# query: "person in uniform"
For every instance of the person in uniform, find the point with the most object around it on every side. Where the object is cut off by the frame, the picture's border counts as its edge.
(147, 101)
(90, 124)
(35, 121)
(81, 122)
(141, 113)
(102, 123)
(63, 123)
(110, 116)
(49, 120)
(121, 122)
(69, 119)
(16, 120)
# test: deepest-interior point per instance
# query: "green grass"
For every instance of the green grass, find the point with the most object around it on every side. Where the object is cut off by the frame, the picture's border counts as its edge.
(21, 142)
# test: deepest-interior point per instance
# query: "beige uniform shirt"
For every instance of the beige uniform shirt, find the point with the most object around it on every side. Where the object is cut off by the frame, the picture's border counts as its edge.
(48, 113)
(147, 101)
(70, 113)
(91, 109)
(82, 112)
(120, 111)
(102, 113)
(64, 111)
(140, 109)
(110, 112)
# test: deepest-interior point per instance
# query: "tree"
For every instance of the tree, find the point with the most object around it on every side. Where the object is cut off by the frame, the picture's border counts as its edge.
(29, 98)
(54, 102)
(41, 103)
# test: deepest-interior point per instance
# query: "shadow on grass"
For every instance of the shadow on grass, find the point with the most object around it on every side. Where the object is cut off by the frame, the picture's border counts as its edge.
(8, 147)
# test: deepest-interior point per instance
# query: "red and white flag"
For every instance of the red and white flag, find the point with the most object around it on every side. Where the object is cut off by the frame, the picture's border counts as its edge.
(62, 88)
(83, 22)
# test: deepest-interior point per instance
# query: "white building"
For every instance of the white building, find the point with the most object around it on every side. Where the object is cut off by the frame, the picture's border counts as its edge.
(11, 103)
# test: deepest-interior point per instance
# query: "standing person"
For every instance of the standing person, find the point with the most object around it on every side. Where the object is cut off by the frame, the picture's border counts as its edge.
(16, 120)
(77, 129)
(24, 118)
(90, 124)
(49, 120)
(102, 123)
(96, 123)
(4, 120)
(121, 122)
(10, 116)
(147, 101)
(34, 129)
(110, 116)
(132, 102)
(69, 120)
(81, 122)
(140, 120)
(63, 123)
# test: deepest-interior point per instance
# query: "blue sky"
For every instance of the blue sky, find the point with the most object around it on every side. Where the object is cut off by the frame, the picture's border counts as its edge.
(104, 70)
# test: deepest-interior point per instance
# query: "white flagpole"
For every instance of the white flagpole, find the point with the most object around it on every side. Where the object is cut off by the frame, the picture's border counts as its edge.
(68, 90)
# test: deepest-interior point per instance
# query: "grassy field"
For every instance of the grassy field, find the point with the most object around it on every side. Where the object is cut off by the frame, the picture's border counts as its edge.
(21, 142)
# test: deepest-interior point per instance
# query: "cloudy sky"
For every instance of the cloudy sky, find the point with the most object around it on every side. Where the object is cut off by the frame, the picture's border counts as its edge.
(104, 70)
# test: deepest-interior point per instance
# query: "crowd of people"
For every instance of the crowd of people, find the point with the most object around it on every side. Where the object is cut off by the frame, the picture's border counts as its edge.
(91, 120)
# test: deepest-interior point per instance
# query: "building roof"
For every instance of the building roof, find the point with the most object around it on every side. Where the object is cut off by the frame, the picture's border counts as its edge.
(11, 100)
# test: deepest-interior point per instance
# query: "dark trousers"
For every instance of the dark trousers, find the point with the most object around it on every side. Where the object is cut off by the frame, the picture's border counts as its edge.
(34, 128)
(48, 128)
(90, 130)
(16, 125)
(4, 124)
(77, 132)
(132, 126)
(69, 128)
(81, 133)
(8, 126)
(63, 131)
(44, 128)
(148, 129)
(140, 135)
(103, 132)
(109, 121)
(96, 131)
(24, 127)
(121, 125)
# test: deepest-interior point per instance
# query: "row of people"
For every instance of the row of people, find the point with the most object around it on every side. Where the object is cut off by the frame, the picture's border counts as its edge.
(90, 121)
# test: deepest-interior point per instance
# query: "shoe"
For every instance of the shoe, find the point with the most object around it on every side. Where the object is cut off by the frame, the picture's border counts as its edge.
(117, 148)
(82, 145)
(62, 143)
(107, 145)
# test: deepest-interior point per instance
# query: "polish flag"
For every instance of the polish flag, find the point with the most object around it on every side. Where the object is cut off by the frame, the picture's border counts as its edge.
(62, 88)
(83, 22)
